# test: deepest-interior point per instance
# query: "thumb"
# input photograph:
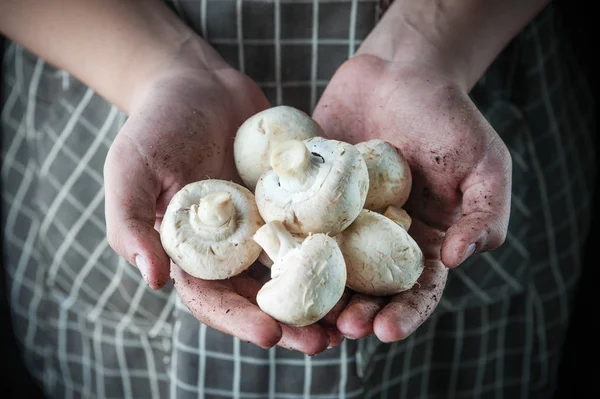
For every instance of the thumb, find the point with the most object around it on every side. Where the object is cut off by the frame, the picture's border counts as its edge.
(485, 208)
(131, 190)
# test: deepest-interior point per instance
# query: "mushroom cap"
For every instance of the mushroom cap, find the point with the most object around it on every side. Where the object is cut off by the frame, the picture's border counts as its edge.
(333, 199)
(307, 282)
(199, 243)
(259, 133)
(381, 257)
(389, 175)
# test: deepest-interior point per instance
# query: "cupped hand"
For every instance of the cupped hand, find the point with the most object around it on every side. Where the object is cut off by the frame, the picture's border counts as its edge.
(180, 129)
(460, 198)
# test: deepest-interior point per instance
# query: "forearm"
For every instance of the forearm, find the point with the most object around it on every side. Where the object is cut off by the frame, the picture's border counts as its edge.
(462, 37)
(112, 46)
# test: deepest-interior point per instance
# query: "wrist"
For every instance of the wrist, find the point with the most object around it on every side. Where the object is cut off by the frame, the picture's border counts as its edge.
(167, 46)
(404, 39)
(457, 39)
(187, 54)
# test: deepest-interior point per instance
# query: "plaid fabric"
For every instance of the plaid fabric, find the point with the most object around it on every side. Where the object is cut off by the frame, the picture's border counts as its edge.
(90, 328)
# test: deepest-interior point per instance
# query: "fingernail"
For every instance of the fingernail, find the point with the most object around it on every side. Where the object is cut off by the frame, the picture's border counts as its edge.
(335, 338)
(142, 265)
(470, 251)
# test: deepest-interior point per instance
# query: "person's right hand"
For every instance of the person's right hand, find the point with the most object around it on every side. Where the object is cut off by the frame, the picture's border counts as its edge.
(180, 130)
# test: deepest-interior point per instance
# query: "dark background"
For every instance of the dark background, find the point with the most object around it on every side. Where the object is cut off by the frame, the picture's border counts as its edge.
(579, 370)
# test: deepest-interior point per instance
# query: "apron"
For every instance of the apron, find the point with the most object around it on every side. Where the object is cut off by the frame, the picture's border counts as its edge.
(90, 328)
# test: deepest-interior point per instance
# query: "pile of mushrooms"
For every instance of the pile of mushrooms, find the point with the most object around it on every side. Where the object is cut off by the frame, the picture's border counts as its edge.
(322, 214)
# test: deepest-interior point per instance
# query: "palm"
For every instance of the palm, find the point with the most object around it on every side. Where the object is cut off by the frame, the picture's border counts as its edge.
(175, 134)
(461, 171)
(182, 128)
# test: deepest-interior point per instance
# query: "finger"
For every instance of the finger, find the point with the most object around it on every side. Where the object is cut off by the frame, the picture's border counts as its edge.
(335, 337)
(485, 208)
(310, 340)
(131, 191)
(259, 272)
(329, 322)
(215, 304)
(409, 309)
(356, 320)
(330, 319)
(248, 283)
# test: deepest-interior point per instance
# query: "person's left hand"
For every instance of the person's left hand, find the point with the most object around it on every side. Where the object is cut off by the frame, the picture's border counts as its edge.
(461, 169)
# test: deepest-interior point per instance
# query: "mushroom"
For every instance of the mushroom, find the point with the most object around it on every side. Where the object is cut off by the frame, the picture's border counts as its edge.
(264, 258)
(315, 186)
(399, 216)
(261, 132)
(381, 257)
(389, 175)
(207, 229)
(307, 278)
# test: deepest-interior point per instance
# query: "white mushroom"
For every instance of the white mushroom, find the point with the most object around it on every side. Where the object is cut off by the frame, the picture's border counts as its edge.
(381, 257)
(389, 175)
(307, 278)
(314, 186)
(207, 229)
(264, 258)
(261, 132)
(399, 216)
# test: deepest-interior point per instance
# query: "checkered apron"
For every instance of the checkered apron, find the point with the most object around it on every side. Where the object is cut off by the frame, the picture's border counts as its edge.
(90, 328)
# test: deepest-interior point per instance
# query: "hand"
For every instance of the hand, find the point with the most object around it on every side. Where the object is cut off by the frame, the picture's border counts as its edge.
(180, 130)
(460, 199)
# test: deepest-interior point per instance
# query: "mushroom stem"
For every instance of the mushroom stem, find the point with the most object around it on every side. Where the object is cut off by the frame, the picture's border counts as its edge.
(294, 165)
(399, 216)
(215, 209)
(275, 240)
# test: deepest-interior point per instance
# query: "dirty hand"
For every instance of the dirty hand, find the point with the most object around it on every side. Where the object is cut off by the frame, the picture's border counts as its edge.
(180, 130)
(460, 197)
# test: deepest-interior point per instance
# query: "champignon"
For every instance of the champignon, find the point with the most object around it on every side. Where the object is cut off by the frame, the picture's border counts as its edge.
(207, 229)
(307, 278)
(381, 257)
(266, 260)
(315, 186)
(389, 175)
(398, 215)
(261, 132)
